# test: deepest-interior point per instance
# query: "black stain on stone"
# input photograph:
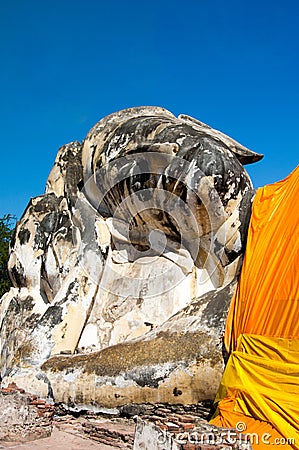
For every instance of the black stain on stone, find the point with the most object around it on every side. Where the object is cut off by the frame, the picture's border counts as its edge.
(71, 294)
(14, 308)
(245, 214)
(52, 316)
(232, 255)
(17, 275)
(217, 306)
(49, 222)
(28, 303)
(24, 236)
(145, 376)
(177, 392)
(43, 377)
(132, 410)
(32, 321)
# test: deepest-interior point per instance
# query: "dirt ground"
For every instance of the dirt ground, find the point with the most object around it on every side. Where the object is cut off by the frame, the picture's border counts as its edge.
(59, 440)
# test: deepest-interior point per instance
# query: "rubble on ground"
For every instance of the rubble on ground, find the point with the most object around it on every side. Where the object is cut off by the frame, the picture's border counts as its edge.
(23, 416)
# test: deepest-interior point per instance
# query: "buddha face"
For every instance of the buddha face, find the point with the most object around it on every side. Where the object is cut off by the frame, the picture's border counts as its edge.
(168, 186)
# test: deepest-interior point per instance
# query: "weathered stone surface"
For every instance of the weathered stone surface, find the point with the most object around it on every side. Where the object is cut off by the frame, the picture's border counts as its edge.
(124, 269)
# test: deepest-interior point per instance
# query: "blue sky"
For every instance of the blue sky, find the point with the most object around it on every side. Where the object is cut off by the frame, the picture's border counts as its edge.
(68, 63)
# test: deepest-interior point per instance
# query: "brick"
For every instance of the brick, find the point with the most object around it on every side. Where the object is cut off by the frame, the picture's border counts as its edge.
(38, 401)
(186, 419)
(5, 391)
(187, 426)
(172, 426)
(173, 418)
(152, 418)
(163, 411)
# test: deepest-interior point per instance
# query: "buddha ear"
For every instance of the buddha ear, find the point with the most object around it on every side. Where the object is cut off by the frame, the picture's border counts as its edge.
(244, 155)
